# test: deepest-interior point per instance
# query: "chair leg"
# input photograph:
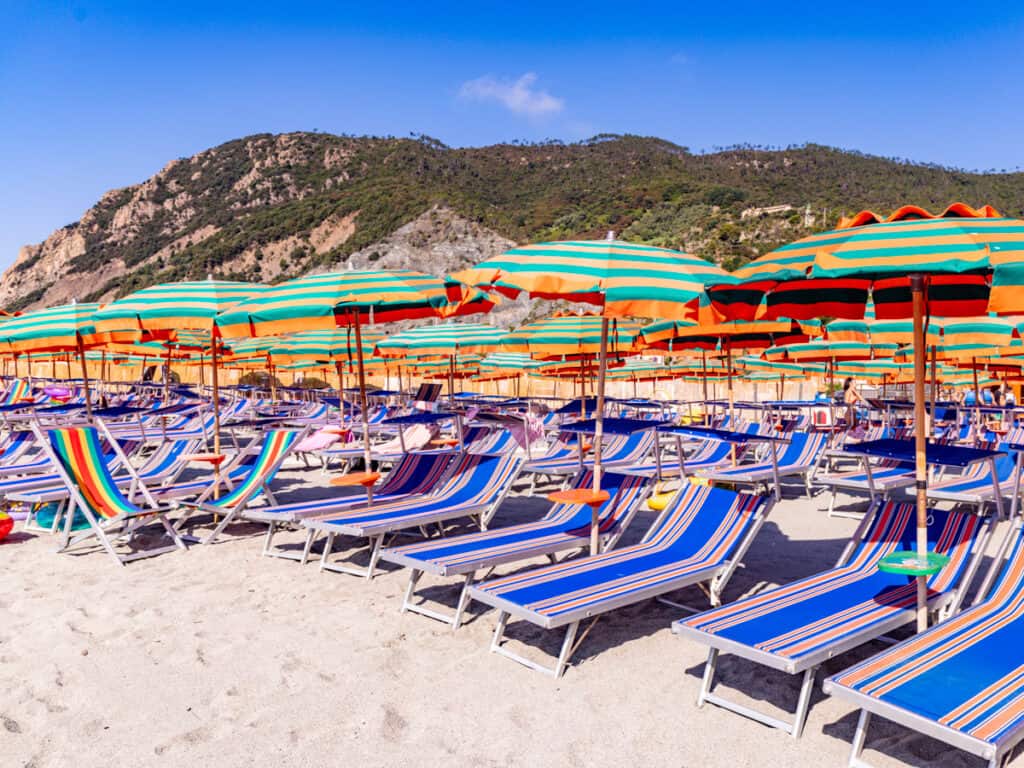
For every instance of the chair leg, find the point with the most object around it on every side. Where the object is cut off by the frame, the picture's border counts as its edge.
(567, 648)
(859, 736)
(310, 535)
(327, 550)
(803, 703)
(709, 676)
(414, 577)
(499, 631)
(460, 608)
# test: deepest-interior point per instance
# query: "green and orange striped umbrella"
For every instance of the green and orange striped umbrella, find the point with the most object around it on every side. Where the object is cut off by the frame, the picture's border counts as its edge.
(626, 279)
(442, 340)
(961, 252)
(171, 307)
(65, 328)
(565, 335)
(961, 262)
(322, 302)
(356, 298)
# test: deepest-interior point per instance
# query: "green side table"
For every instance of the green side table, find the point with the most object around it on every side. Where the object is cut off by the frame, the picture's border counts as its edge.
(910, 563)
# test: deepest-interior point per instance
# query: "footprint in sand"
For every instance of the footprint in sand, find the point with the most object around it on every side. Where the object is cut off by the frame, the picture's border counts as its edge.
(10, 724)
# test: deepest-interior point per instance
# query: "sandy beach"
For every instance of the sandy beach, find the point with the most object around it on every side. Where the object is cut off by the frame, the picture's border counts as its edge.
(221, 656)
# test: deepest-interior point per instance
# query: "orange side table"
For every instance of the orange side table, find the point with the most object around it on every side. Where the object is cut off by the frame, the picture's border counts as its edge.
(365, 479)
(579, 496)
(216, 459)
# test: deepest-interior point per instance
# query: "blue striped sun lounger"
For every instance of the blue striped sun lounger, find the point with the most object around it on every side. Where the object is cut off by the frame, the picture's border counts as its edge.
(975, 486)
(700, 537)
(799, 459)
(797, 627)
(959, 682)
(474, 487)
(564, 527)
(616, 449)
(415, 474)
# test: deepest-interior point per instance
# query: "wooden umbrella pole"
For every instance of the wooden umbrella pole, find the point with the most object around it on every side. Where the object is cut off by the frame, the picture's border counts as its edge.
(362, 404)
(215, 386)
(977, 395)
(85, 375)
(341, 393)
(920, 445)
(935, 386)
(704, 379)
(728, 373)
(602, 367)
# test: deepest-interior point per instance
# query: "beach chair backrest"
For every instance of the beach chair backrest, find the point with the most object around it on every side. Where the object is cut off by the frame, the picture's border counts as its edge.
(19, 390)
(803, 449)
(427, 393)
(477, 478)
(15, 445)
(79, 453)
(277, 444)
(624, 494)
(634, 447)
(705, 521)
(416, 473)
(893, 527)
(166, 457)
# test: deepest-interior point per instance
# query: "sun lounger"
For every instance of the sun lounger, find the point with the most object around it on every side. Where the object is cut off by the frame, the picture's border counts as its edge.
(975, 486)
(796, 627)
(415, 474)
(77, 455)
(959, 682)
(700, 537)
(564, 527)
(474, 487)
(799, 459)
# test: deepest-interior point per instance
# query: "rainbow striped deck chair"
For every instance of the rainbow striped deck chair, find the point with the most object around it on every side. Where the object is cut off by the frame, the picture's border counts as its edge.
(960, 681)
(797, 627)
(564, 527)
(77, 455)
(415, 474)
(474, 487)
(276, 447)
(701, 536)
(17, 392)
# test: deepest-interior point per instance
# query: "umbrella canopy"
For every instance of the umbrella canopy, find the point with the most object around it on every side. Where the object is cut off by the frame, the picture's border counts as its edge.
(961, 262)
(322, 302)
(173, 307)
(565, 335)
(442, 340)
(54, 329)
(626, 279)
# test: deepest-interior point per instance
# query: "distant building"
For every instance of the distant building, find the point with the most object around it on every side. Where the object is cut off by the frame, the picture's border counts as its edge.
(751, 212)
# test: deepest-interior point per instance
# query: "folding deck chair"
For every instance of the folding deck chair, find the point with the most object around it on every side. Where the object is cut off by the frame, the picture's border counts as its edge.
(416, 474)
(564, 527)
(701, 536)
(959, 682)
(799, 459)
(277, 445)
(797, 627)
(77, 456)
(976, 486)
(474, 486)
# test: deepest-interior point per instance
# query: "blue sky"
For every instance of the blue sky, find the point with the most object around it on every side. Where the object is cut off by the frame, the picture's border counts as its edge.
(97, 95)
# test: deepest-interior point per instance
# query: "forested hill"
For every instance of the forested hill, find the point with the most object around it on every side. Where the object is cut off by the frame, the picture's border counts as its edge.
(268, 207)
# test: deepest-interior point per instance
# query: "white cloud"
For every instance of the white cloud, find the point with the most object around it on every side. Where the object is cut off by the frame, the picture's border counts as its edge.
(517, 96)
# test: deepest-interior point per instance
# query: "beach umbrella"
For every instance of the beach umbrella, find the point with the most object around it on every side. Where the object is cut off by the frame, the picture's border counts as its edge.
(65, 328)
(961, 262)
(169, 308)
(569, 336)
(356, 298)
(445, 340)
(728, 337)
(624, 279)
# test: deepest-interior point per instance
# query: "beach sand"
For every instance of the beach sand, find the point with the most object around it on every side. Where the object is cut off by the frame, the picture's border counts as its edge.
(220, 657)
